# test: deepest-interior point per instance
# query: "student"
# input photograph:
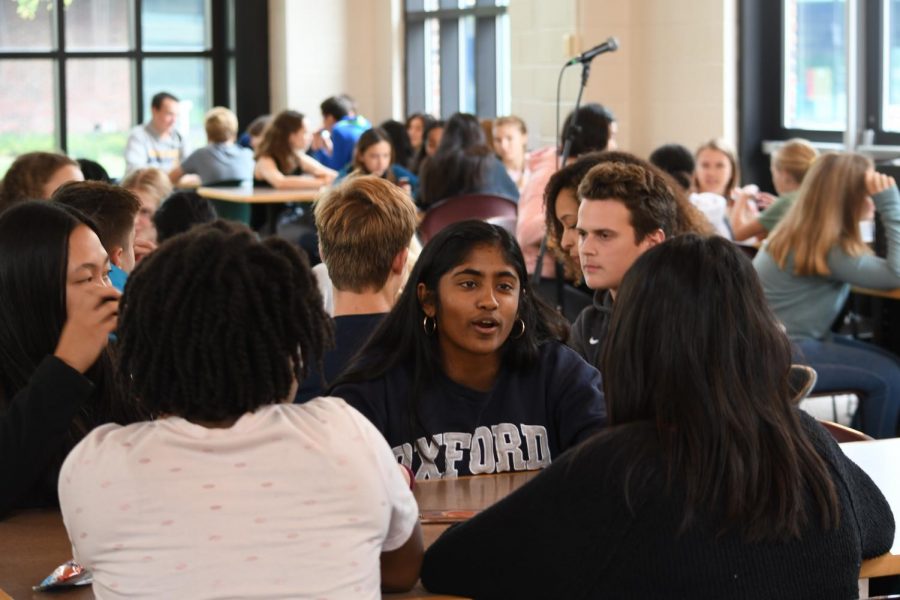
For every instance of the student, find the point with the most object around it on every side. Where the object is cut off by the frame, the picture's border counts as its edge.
(596, 129)
(374, 155)
(365, 227)
(417, 124)
(35, 176)
(467, 375)
(231, 489)
(464, 164)
(625, 210)
(808, 265)
(180, 212)
(434, 131)
(510, 142)
(113, 209)
(57, 309)
(341, 128)
(157, 143)
(222, 159)
(716, 177)
(151, 186)
(254, 134)
(677, 161)
(403, 150)
(708, 483)
(280, 158)
(92, 170)
(789, 166)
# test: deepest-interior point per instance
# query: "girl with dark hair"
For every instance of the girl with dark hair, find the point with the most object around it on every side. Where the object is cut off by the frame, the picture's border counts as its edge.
(709, 481)
(216, 329)
(281, 159)
(431, 139)
(374, 155)
(403, 149)
(57, 309)
(417, 125)
(464, 164)
(469, 361)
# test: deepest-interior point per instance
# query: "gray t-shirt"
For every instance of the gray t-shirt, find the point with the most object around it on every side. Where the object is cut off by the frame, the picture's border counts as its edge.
(216, 163)
(807, 305)
(145, 148)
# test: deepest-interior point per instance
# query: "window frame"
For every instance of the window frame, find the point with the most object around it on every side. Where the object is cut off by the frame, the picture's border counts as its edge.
(488, 34)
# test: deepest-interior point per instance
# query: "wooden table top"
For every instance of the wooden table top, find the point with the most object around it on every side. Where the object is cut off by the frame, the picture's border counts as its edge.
(33, 543)
(880, 460)
(892, 294)
(258, 195)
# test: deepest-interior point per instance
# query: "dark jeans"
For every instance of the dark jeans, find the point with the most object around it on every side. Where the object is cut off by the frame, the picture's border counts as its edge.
(848, 365)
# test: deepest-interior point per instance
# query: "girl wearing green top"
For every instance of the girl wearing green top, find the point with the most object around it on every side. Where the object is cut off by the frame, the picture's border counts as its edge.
(789, 165)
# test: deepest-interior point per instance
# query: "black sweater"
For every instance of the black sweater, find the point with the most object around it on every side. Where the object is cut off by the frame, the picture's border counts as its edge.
(568, 534)
(589, 329)
(33, 431)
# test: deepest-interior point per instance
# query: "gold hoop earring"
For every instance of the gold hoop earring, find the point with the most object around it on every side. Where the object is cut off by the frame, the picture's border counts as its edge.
(522, 332)
(429, 324)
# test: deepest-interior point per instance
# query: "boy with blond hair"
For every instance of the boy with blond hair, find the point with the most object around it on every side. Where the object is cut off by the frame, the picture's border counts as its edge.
(365, 227)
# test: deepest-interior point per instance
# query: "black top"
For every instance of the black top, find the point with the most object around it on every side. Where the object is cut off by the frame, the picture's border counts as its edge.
(527, 419)
(589, 329)
(567, 533)
(350, 334)
(34, 431)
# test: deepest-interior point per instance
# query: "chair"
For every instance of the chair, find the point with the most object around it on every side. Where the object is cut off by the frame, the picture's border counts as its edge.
(232, 211)
(842, 433)
(486, 207)
(802, 380)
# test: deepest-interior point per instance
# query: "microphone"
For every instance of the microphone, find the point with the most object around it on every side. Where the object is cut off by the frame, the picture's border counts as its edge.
(610, 45)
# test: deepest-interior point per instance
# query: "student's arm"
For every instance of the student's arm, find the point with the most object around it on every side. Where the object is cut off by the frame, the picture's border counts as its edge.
(176, 174)
(745, 219)
(36, 420)
(317, 169)
(403, 548)
(267, 170)
(870, 271)
(400, 567)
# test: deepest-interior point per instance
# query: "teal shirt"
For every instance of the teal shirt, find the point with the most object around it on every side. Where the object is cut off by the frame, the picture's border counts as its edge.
(807, 305)
(770, 217)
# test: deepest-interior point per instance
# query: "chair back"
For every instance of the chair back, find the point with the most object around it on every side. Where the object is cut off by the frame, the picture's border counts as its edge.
(802, 379)
(842, 433)
(485, 207)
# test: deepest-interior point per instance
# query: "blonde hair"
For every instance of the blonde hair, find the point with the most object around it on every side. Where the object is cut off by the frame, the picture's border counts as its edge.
(363, 224)
(221, 125)
(512, 120)
(722, 146)
(825, 215)
(153, 182)
(794, 158)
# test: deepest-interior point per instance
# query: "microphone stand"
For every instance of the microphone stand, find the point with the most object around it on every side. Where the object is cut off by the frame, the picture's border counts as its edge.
(571, 132)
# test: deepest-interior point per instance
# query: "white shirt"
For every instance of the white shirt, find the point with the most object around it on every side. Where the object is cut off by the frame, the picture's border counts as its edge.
(292, 501)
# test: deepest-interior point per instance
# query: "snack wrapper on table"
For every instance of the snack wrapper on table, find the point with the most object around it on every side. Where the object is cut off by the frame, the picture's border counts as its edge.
(68, 574)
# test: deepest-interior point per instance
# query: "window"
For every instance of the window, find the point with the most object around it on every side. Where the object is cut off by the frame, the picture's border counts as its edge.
(457, 57)
(84, 72)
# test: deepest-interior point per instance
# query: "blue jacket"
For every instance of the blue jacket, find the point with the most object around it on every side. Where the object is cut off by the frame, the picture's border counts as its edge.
(344, 136)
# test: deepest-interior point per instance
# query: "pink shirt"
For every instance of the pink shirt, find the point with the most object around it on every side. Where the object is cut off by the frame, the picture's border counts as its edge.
(530, 227)
(292, 501)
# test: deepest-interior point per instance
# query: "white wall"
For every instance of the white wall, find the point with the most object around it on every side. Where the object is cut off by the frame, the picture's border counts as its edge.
(672, 80)
(321, 48)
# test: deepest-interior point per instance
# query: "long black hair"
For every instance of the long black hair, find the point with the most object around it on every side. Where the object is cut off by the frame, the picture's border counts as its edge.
(34, 257)
(694, 349)
(401, 340)
(216, 323)
(460, 163)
